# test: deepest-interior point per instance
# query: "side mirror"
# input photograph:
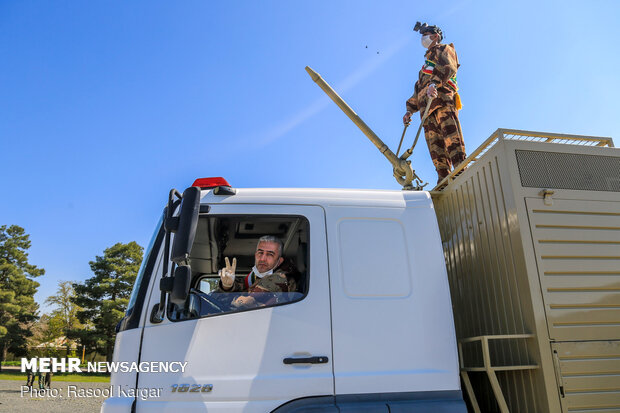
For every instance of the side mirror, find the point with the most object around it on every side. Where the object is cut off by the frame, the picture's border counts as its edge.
(180, 286)
(188, 222)
(184, 226)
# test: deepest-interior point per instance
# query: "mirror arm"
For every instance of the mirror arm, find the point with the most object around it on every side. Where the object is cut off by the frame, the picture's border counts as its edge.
(175, 283)
(170, 222)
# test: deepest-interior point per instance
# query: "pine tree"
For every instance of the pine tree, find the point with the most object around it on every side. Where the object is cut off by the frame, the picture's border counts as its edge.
(104, 297)
(17, 288)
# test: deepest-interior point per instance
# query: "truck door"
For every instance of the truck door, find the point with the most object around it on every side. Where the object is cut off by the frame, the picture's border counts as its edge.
(253, 359)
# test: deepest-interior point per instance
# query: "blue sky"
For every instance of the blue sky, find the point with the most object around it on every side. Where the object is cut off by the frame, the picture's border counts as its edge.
(106, 106)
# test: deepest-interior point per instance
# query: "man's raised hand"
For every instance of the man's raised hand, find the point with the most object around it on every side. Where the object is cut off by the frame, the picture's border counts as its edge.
(227, 274)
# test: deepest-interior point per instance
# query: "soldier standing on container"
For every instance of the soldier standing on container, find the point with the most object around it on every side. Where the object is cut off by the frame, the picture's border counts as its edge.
(437, 80)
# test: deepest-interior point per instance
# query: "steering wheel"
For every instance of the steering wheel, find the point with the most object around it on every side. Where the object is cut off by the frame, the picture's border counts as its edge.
(213, 305)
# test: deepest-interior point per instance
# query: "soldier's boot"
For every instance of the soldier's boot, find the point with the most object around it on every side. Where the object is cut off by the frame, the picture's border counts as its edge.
(457, 159)
(442, 173)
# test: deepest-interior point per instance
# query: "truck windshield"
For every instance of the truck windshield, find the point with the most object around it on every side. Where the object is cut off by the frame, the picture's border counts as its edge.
(140, 276)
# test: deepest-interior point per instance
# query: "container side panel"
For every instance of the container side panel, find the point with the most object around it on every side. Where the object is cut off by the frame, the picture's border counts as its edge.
(490, 290)
(590, 375)
(577, 245)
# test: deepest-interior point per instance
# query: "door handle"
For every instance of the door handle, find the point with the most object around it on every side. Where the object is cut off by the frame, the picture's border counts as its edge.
(306, 360)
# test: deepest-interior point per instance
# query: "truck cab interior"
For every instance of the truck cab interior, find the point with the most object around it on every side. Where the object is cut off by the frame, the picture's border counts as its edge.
(236, 236)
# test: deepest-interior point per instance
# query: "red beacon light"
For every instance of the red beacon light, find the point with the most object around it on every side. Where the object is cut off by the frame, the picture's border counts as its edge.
(210, 182)
(221, 185)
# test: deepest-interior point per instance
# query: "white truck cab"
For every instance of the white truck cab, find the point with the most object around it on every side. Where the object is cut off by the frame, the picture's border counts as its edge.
(368, 328)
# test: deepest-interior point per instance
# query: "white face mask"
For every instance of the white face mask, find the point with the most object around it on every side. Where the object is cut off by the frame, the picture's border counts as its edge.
(426, 41)
(261, 274)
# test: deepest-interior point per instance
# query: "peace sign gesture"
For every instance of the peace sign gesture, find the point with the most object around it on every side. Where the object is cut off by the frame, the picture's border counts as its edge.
(227, 274)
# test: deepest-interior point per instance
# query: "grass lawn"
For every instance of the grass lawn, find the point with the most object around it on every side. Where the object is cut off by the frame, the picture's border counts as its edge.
(19, 376)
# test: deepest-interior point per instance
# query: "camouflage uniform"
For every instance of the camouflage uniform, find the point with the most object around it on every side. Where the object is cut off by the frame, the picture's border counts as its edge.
(29, 377)
(441, 128)
(277, 282)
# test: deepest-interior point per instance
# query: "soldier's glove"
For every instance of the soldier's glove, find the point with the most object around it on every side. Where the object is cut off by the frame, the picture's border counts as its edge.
(431, 91)
(407, 118)
(227, 274)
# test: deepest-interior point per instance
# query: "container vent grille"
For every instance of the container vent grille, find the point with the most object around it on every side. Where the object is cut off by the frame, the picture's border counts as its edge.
(568, 171)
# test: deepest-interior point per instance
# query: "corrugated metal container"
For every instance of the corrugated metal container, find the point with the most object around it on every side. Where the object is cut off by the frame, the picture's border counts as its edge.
(530, 225)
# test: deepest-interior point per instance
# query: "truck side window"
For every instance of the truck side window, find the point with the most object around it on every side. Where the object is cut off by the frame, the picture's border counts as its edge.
(252, 242)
